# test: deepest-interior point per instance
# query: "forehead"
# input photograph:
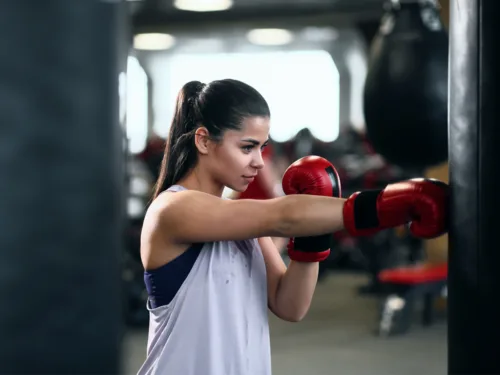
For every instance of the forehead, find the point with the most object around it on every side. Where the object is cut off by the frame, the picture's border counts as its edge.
(253, 127)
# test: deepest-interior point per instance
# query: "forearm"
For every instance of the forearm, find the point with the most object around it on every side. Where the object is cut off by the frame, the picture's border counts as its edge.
(295, 290)
(307, 215)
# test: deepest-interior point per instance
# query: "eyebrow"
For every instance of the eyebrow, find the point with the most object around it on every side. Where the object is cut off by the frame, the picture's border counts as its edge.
(254, 141)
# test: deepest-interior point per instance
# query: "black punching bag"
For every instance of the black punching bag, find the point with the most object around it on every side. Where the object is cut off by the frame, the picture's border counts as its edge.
(61, 187)
(406, 89)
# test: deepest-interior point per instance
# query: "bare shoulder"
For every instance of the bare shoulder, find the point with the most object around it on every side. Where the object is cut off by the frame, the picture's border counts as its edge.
(157, 248)
(167, 206)
(173, 208)
(170, 209)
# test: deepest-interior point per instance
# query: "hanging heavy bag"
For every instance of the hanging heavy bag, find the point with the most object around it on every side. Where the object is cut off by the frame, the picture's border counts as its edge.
(406, 89)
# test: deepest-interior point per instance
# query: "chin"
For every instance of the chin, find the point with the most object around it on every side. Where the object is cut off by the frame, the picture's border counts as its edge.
(238, 188)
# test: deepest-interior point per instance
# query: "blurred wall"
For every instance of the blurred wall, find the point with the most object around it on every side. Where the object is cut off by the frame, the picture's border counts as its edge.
(346, 46)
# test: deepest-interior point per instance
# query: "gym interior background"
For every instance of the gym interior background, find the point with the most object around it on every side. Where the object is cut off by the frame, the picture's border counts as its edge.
(362, 83)
(310, 59)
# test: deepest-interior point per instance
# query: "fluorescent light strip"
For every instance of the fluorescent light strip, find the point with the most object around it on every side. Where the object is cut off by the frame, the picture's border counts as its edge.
(203, 5)
(270, 37)
(153, 41)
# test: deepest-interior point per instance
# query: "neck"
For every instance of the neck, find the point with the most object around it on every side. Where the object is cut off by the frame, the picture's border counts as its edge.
(197, 180)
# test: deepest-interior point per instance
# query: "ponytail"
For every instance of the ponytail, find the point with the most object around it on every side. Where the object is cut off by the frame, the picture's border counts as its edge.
(180, 154)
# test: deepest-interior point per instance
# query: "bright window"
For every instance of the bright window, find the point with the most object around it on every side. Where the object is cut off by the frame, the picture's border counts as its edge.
(301, 87)
(357, 65)
(136, 108)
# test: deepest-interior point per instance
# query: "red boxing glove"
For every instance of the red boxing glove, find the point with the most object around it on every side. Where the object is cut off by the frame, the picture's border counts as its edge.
(311, 175)
(423, 202)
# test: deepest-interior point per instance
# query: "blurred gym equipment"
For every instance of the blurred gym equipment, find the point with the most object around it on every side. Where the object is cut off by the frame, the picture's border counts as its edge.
(406, 288)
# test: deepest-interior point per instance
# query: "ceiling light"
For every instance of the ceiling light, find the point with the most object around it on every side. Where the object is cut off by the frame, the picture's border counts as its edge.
(153, 41)
(203, 5)
(270, 37)
(320, 34)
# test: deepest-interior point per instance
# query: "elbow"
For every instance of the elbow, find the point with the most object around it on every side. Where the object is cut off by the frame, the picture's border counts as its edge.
(293, 317)
(290, 314)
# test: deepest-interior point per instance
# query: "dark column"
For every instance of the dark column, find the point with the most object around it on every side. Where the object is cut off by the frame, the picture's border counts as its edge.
(60, 187)
(474, 283)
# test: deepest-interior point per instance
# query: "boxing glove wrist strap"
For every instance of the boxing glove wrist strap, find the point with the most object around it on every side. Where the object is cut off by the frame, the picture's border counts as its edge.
(310, 249)
(361, 213)
(313, 244)
(365, 210)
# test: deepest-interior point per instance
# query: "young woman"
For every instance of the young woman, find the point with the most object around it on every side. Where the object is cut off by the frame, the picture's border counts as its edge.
(211, 270)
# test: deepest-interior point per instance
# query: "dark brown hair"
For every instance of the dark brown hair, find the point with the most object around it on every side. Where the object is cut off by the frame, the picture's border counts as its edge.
(218, 106)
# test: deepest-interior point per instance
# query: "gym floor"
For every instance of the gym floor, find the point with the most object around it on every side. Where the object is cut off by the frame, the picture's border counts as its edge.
(337, 338)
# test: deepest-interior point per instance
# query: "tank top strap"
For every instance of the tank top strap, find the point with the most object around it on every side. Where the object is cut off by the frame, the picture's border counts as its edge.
(176, 188)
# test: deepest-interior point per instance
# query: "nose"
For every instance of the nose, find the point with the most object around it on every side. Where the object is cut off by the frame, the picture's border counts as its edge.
(258, 160)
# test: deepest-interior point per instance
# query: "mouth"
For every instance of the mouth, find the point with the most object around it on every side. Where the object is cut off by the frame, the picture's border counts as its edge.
(251, 177)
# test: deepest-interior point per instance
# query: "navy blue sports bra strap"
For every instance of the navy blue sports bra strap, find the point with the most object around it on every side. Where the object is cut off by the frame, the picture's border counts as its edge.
(163, 283)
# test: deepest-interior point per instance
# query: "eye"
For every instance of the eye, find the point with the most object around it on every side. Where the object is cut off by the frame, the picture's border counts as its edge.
(247, 149)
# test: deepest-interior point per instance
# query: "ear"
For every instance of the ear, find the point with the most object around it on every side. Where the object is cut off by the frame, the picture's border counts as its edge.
(201, 140)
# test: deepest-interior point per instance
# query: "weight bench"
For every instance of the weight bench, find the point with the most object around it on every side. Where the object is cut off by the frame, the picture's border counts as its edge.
(405, 288)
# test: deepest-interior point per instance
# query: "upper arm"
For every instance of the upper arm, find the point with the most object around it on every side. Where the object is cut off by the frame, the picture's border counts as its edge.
(193, 216)
(275, 269)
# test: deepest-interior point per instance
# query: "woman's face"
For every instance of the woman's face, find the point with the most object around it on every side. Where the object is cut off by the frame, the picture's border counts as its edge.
(238, 158)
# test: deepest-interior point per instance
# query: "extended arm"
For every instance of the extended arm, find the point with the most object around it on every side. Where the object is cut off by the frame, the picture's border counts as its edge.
(192, 216)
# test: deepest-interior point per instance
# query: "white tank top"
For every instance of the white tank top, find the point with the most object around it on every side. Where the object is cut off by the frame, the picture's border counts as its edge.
(217, 323)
